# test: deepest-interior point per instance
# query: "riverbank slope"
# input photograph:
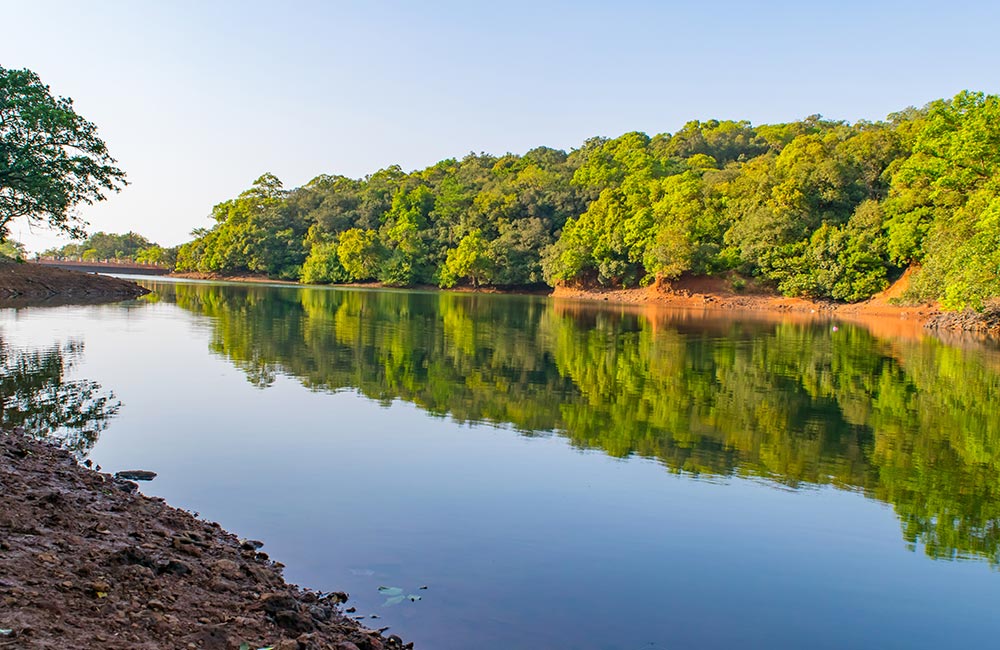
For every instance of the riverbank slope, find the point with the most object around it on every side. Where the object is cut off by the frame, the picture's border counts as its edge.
(87, 562)
(717, 293)
(24, 281)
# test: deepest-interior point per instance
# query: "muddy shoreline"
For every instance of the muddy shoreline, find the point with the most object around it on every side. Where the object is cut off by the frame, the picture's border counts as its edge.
(22, 283)
(86, 561)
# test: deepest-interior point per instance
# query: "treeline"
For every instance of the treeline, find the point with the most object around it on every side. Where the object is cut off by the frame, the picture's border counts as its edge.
(102, 246)
(909, 422)
(815, 208)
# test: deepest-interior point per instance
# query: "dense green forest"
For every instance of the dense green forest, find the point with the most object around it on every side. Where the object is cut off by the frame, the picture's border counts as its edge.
(814, 208)
(909, 422)
(130, 247)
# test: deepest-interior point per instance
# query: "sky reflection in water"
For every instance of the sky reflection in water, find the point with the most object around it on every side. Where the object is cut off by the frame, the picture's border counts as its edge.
(561, 476)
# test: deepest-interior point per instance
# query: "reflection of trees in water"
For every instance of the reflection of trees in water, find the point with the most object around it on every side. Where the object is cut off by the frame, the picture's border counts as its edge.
(910, 422)
(36, 397)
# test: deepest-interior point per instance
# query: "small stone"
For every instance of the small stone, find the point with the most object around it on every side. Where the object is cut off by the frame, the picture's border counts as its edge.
(276, 602)
(293, 621)
(173, 567)
(319, 613)
(227, 568)
(135, 475)
(126, 486)
(186, 545)
(221, 585)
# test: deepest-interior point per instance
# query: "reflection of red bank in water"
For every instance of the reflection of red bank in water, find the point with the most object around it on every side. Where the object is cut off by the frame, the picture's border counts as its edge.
(705, 294)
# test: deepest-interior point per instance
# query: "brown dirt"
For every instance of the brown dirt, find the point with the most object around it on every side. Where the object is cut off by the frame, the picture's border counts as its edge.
(86, 562)
(716, 293)
(26, 281)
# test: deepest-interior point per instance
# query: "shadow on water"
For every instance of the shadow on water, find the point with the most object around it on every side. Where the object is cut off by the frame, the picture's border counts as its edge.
(38, 400)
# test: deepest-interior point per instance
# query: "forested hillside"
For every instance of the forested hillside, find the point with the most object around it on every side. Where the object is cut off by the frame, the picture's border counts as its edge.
(815, 208)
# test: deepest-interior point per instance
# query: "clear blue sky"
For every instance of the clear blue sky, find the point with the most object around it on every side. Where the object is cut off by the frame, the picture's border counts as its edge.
(197, 99)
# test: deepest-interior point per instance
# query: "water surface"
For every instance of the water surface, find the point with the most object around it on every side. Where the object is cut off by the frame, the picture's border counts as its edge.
(557, 475)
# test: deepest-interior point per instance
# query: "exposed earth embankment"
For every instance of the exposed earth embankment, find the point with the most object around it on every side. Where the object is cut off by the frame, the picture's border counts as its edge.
(705, 293)
(26, 281)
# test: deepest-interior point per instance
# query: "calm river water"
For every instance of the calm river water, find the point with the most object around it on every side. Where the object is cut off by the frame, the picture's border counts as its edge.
(557, 475)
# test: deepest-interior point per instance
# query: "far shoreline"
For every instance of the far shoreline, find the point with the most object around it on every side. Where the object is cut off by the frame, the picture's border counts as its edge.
(716, 295)
(697, 293)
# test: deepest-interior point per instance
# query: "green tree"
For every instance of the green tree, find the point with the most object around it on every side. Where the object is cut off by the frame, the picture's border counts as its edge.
(943, 203)
(468, 260)
(323, 265)
(13, 249)
(360, 254)
(51, 159)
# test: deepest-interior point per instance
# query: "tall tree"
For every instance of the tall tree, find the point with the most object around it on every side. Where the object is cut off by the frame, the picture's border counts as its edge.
(51, 159)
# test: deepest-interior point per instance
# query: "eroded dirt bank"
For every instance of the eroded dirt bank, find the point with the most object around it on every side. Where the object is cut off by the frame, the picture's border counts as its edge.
(880, 311)
(87, 562)
(19, 281)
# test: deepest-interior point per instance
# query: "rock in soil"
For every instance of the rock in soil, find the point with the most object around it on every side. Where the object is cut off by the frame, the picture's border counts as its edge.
(136, 475)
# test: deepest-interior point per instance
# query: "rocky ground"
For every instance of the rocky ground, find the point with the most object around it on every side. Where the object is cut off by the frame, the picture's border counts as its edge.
(88, 562)
(20, 281)
(985, 323)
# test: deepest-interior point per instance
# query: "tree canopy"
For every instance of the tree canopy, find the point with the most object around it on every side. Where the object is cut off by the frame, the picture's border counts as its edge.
(816, 208)
(51, 158)
(130, 247)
